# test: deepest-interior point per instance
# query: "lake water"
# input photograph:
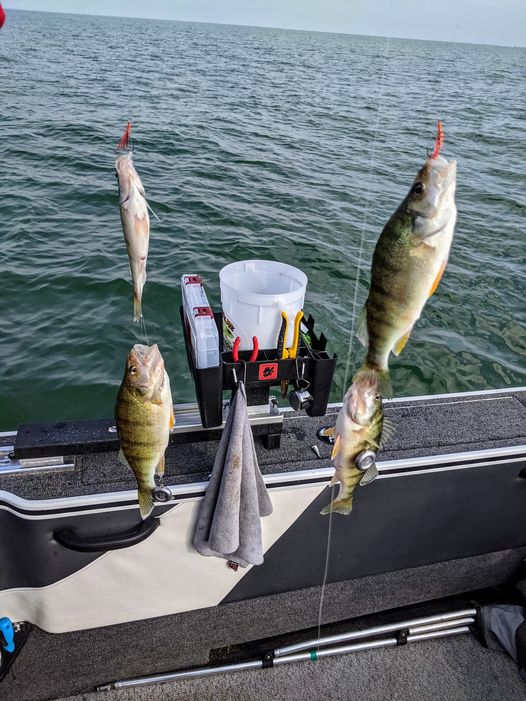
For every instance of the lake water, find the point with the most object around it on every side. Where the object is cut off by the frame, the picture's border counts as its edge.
(251, 143)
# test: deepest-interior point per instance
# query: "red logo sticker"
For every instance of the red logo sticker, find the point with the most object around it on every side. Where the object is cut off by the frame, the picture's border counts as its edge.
(268, 371)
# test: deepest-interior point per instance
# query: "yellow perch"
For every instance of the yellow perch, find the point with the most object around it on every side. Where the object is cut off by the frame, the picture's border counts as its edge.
(360, 427)
(408, 263)
(144, 416)
(135, 225)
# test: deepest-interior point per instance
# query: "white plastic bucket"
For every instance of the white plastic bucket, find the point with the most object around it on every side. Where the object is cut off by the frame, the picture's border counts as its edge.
(253, 295)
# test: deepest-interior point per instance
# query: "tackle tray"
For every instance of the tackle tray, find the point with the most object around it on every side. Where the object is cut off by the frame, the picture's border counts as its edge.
(312, 369)
(200, 321)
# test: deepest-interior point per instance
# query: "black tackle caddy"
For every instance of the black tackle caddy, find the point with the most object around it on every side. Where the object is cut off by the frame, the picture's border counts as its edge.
(312, 372)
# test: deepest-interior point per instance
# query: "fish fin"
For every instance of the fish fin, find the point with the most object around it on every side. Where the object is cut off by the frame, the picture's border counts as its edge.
(384, 384)
(137, 309)
(374, 445)
(171, 423)
(400, 344)
(122, 458)
(388, 431)
(437, 279)
(338, 506)
(145, 503)
(362, 333)
(382, 378)
(159, 470)
(336, 447)
(334, 480)
(369, 475)
(327, 432)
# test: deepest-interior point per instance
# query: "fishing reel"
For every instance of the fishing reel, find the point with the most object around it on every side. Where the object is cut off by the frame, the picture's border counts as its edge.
(365, 460)
(301, 398)
(366, 463)
(162, 494)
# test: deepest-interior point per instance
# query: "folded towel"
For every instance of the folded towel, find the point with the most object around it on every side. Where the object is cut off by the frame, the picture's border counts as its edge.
(229, 523)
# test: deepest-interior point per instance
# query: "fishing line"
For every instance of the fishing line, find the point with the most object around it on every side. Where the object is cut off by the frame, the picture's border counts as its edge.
(326, 571)
(353, 320)
(151, 210)
(143, 326)
(366, 215)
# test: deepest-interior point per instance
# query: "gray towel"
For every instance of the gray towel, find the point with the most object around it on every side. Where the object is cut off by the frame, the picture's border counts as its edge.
(229, 521)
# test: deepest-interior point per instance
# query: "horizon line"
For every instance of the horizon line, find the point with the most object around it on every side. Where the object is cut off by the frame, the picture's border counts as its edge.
(264, 26)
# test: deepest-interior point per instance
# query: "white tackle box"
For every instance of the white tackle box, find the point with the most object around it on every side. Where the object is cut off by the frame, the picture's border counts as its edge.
(200, 319)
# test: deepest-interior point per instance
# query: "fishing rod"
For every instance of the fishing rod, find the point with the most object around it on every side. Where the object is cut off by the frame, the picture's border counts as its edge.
(405, 632)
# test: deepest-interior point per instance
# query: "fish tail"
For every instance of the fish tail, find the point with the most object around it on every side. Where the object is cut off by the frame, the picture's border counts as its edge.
(145, 502)
(338, 506)
(137, 308)
(373, 373)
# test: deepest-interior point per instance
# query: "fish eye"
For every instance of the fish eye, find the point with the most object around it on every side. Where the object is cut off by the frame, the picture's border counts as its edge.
(132, 370)
(418, 188)
(378, 397)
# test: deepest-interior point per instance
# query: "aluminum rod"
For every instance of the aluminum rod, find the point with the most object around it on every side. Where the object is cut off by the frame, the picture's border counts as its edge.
(370, 645)
(438, 634)
(183, 674)
(376, 630)
(297, 657)
(468, 621)
(340, 650)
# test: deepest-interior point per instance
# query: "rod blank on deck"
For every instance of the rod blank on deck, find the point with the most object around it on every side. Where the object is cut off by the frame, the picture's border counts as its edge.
(376, 630)
(426, 628)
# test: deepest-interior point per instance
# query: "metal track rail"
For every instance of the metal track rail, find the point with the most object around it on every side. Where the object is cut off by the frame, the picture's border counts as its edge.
(10, 465)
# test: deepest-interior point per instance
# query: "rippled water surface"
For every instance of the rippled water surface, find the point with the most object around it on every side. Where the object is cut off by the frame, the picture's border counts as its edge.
(251, 143)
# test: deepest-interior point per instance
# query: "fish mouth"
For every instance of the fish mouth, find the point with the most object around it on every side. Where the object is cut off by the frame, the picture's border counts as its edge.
(361, 399)
(449, 175)
(143, 350)
(122, 161)
(146, 356)
(442, 174)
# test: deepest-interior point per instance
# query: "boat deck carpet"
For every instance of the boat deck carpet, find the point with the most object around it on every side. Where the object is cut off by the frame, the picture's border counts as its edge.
(452, 669)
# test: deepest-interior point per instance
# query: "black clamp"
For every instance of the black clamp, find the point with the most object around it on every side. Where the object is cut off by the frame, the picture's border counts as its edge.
(268, 660)
(402, 636)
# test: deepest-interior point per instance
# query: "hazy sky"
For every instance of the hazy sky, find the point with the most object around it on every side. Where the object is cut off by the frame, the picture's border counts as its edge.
(478, 21)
